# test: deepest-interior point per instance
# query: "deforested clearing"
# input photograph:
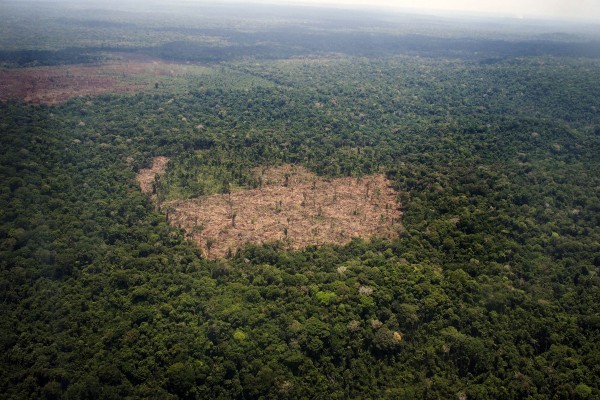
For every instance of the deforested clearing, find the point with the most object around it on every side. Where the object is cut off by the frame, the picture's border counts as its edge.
(146, 176)
(291, 205)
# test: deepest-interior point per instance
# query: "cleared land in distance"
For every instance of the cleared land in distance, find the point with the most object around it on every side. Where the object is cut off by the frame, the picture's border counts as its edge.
(55, 85)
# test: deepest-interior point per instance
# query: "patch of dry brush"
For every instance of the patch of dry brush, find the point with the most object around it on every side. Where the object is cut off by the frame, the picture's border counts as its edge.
(291, 205)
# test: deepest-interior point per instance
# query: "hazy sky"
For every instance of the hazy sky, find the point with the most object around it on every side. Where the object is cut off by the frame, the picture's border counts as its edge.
(588, 9)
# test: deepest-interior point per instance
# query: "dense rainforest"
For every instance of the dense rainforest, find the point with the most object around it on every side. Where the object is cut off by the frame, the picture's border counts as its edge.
(490, 290)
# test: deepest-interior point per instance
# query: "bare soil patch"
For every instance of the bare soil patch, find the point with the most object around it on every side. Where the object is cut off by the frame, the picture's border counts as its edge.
(55, 85)
(293, 206)
(146, 176)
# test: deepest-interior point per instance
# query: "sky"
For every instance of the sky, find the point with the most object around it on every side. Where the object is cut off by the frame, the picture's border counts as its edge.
(554, 9)
(588, 10)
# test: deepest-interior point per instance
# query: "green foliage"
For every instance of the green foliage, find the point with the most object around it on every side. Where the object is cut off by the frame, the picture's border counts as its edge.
(326, 297)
